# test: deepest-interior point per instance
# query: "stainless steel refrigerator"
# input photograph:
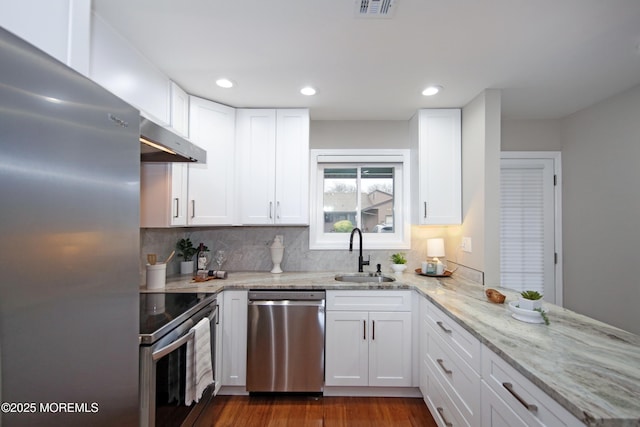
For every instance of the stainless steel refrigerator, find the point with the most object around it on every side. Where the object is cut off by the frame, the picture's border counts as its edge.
(69, 246)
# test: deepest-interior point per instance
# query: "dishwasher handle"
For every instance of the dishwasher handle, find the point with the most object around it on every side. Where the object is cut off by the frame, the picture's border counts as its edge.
(305, 303)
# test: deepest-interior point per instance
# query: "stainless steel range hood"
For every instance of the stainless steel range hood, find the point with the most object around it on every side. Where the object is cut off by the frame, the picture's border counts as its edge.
(161, 144)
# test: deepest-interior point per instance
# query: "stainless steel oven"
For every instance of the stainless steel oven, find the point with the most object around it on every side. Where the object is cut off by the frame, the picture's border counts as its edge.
(166, 320)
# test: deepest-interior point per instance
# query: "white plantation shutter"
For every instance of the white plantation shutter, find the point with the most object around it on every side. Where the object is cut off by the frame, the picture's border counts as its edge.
(526, 225)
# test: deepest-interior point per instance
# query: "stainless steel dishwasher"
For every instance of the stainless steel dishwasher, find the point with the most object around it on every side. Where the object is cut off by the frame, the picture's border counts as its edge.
(285, 341)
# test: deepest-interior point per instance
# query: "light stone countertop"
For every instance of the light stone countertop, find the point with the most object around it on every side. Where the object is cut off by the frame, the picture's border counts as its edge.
(590, 368)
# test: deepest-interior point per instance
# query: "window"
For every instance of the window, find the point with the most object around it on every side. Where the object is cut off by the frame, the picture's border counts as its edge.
(367, 189)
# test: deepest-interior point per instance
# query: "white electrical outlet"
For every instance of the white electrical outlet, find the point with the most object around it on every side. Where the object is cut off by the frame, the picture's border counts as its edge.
(466, 244)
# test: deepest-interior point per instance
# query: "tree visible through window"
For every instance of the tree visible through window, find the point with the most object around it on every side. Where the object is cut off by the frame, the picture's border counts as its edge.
(358, 197)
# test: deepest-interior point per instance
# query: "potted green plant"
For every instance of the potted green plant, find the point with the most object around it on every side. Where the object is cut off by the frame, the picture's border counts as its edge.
(186, 251)
(530, 300)
(399, 262)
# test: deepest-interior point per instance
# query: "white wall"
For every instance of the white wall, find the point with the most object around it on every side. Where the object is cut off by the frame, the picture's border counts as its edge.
(359, 134)
(531, 135)
(481, 184)
(601, 205)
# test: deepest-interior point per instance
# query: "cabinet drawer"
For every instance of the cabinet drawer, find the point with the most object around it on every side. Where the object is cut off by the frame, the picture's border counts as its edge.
(440, 404)
(495, 412)
(460, 381)
(529, 402)
(369, 300)
(462, 342)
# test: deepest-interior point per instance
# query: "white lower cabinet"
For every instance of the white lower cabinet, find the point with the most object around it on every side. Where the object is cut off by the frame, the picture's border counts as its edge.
(464, 383)
(450, 384)
(527, 402)
(234, 338)
(366, 347)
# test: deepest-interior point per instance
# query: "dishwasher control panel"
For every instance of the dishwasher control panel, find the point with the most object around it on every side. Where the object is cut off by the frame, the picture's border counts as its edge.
(281, 295)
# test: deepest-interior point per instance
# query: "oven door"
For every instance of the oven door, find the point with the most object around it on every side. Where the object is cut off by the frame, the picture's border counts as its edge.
(163, 373)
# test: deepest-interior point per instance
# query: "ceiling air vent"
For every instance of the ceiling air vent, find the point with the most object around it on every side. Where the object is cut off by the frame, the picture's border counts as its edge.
(375, 8)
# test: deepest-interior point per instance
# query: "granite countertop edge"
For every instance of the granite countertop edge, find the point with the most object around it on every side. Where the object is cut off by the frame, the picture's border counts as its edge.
(464, 302)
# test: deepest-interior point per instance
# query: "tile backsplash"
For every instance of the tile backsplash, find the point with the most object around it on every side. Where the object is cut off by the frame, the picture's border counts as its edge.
(247, 249)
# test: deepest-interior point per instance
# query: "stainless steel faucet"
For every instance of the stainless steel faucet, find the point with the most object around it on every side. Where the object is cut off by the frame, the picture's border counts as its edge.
(361, 260)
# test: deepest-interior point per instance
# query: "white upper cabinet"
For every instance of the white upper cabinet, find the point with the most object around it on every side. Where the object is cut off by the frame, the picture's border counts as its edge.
(164, 186)
(179, 110)
(120, 68)
(436, 169)
(273, 166)
(60, 28)
(211, 185)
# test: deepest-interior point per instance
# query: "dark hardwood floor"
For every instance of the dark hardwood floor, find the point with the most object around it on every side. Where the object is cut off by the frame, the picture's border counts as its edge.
(312, 411)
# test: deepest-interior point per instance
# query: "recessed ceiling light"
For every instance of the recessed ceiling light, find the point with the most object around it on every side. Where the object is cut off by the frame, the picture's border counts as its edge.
(308, 90)
(431, 90)
(224, 83)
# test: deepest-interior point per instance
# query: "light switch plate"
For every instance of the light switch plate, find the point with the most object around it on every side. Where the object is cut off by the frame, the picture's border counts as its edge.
(466, 244)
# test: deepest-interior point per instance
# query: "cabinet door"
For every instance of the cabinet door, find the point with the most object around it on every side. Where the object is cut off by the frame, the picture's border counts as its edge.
(256, 139)
(390, 349)
(163, 194)
(211, 185)
(292, 167)
(234, 338)
(179, 110)
(218, 372)
(346, 348)
(438, 172)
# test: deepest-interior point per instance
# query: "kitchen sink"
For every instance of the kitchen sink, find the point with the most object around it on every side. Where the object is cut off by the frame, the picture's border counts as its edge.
(363, 278)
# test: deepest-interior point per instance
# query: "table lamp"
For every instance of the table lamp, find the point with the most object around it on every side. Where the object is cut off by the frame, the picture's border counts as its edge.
(435, 249)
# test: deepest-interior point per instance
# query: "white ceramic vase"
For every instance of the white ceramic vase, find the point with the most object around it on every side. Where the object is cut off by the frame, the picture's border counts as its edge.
(398, 268)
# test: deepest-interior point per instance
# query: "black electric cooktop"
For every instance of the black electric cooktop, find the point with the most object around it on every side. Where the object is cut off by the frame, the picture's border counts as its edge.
(161, 312)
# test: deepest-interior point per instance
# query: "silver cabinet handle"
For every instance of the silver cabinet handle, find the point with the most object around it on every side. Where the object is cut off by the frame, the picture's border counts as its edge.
(270, 210)
(441, 413)
(443, 328)
(425, 210)
(444, 368)
(177, 207)
(158, 354)
(278, 210)
(373, 330)
(193, 209)
(531, 407)
(364, 329)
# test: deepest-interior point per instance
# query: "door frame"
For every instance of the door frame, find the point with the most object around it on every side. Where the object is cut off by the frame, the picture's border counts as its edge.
(556, 156)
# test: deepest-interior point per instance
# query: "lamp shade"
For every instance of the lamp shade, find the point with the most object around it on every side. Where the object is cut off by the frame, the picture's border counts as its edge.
(435, 248)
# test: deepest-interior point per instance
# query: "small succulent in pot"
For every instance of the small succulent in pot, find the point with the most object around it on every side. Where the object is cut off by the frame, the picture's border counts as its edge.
(398, 258)
(399, 263)
(530, 300)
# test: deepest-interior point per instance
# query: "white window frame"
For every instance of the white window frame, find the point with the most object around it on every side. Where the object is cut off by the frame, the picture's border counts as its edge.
(401, 238)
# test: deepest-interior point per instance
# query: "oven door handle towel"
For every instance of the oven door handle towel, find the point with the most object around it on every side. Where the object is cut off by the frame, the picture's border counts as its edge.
(199, 369)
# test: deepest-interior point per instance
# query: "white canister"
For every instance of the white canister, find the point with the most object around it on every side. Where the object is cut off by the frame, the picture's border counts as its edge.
(156, 275)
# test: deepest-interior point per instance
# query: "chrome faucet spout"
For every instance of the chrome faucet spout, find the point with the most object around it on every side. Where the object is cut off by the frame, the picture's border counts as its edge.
(361, 260)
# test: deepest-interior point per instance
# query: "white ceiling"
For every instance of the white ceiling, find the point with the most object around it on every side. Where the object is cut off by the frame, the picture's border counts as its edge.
(549, 57)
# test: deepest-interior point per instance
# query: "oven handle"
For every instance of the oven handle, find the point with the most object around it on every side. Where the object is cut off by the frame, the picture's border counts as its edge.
(158, 354)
